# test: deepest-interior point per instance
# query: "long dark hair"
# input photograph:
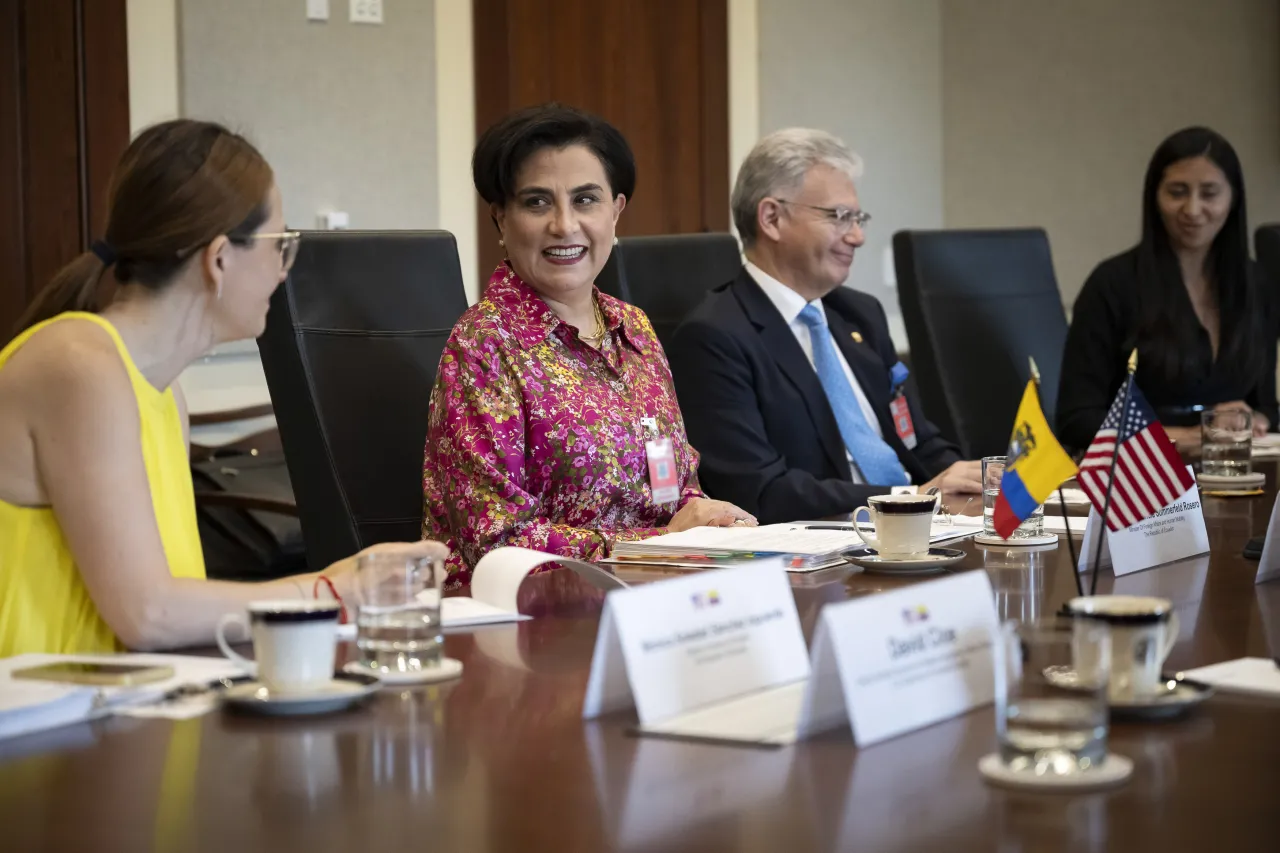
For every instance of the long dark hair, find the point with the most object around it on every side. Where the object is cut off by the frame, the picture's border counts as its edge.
(1167, 331)
(178, 186)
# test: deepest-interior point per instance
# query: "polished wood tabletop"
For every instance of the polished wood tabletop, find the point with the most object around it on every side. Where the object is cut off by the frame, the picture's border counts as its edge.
(501, 759)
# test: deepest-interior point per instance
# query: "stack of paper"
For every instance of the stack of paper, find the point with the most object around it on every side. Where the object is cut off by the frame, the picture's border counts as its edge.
(801, 547)
(28, 705)
(32, 706)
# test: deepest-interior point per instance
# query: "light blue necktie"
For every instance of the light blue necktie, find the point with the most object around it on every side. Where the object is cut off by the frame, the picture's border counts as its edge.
(874, 457)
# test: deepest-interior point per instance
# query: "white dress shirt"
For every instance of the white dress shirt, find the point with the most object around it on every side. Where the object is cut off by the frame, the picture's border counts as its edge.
(789, 305)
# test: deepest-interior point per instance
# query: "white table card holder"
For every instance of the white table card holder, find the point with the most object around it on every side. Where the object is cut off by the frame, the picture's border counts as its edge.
(902, 660)
(1175, 533)
(1269, 562)
(718, 656)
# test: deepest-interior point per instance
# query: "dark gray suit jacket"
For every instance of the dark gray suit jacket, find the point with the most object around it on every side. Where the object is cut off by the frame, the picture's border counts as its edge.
(756, 412)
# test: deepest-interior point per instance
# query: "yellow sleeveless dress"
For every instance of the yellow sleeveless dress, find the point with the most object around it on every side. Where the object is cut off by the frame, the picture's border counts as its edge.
(44, 605)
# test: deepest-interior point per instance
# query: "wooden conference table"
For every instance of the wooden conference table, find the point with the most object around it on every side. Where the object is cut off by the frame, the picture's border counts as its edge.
(501, 760)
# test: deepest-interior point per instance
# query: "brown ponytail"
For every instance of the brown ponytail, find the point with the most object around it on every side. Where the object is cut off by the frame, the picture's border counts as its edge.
(180, 185)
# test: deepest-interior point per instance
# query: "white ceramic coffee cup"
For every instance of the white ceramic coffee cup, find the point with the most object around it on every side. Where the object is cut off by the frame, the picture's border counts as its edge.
(902, 524)
(294, 642)
(1143, 632)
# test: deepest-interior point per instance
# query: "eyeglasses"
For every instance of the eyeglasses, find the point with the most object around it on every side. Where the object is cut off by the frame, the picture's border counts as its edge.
(288, 245)
(843, 217)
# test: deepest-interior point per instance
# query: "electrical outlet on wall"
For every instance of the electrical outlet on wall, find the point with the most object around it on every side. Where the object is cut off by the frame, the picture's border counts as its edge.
(317, 10)
(366, 11)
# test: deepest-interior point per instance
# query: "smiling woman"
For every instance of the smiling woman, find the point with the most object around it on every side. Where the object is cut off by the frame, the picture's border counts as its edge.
(553, 400)
(1187, 297)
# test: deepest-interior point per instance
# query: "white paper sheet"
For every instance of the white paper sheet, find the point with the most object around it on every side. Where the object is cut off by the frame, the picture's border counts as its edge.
(1256, 676)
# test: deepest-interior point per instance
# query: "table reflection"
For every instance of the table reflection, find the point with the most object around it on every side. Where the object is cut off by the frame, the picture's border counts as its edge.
(653, 790)
(1017, 576)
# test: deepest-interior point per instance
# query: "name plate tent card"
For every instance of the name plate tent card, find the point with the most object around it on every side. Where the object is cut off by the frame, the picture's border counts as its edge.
(902, 660)
(1269, 562)
(718, 655)
(1174, 533)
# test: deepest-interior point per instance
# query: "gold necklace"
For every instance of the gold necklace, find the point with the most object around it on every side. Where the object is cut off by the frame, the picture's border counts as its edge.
(598, 333)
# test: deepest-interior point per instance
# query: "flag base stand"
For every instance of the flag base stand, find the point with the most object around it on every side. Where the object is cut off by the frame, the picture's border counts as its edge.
(1021, 541)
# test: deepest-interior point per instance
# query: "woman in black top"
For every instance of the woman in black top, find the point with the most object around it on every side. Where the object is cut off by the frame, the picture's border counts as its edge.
(1188, 297)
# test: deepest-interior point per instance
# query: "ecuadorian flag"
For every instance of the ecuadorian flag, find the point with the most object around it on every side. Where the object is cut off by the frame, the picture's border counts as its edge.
(1036, 465)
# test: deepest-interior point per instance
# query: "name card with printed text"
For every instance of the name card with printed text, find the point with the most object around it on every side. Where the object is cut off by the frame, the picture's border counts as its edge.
(716, 655)
(902, 660)
(1174, 533)
(1269, 562)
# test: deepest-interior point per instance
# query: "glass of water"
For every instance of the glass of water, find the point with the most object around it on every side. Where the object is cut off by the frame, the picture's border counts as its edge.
(1051, 695)
(1226, 442)
(992, 473)
(398, 627)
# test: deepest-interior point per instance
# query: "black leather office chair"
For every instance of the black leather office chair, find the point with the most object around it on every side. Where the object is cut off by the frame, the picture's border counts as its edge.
(666, 276)
(1266, 245)
(977, 305)
(350, 351)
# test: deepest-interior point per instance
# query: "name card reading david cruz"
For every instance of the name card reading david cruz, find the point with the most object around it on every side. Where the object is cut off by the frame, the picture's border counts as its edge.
(695, 641)
(911, 657)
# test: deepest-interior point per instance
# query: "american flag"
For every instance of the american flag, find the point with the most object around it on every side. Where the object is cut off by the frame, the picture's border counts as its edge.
(1150, 474)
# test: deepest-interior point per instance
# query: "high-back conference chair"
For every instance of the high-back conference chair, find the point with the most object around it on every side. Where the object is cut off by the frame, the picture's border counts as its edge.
(1266, 245)
(666, 276)
(977, 305)
(350, 352)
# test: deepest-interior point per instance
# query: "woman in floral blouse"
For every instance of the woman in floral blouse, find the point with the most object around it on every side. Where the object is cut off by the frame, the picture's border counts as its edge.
(548, 390)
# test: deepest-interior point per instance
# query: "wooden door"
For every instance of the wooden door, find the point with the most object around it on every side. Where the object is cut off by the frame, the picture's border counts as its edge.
(64, 121)
(656, 69)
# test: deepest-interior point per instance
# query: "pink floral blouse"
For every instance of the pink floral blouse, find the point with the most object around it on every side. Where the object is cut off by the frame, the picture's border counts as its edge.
(535, 438)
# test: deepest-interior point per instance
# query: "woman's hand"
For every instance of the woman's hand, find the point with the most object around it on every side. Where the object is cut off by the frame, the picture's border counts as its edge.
(342, 574)
(703, 512)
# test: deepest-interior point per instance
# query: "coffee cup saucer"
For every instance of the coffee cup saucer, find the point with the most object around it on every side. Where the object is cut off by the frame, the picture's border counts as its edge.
(936, 560)
(1255, 480)
(343, 691)
(1050, 539)
(1176, 696)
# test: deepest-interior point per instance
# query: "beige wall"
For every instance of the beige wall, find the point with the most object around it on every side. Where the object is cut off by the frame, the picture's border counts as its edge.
(346, 113)
(869, 71)
(1052, 109)
(152, 31)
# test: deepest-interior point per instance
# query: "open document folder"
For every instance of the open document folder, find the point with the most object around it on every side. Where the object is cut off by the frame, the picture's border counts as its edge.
(803, 546)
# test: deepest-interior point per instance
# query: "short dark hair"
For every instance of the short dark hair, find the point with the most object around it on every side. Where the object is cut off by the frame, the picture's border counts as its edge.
(505, 147)
(1168, 328)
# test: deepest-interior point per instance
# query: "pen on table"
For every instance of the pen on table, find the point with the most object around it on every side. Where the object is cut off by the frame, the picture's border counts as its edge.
(197, 688)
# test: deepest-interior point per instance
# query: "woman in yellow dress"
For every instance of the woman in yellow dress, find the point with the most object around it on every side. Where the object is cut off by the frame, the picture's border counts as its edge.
(99, 548)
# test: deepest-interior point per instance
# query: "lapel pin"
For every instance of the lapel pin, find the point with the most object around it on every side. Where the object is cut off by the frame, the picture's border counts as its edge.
(857, 337)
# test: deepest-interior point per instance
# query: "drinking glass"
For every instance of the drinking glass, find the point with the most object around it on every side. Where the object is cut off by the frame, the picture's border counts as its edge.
(1226, 442)
(992, 473)
(1051, 695)
(398, 627)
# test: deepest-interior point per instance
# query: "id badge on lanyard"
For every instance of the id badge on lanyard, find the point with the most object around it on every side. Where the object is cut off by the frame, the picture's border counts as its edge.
(664, 479)
(902, 420)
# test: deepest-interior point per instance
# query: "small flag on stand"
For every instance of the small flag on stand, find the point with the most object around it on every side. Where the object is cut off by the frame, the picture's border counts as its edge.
(1035, 465)
(1149, 474)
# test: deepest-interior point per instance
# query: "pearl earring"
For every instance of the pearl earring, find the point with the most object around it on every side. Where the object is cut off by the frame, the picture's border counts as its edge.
(502, 244)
